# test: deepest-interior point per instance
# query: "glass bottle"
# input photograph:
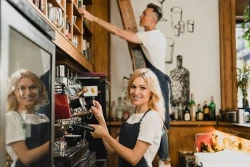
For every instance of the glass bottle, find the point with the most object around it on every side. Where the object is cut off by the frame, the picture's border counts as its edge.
(113, 111)
(175, 111)
(206, 111)
(192, 108)
(107, 111)
(212, 109)
(119, 110)
(180, 111)
(187, 114)
(125, 109)
(199, 114)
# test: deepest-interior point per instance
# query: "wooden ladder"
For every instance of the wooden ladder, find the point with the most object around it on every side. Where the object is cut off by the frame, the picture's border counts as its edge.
(128, 21)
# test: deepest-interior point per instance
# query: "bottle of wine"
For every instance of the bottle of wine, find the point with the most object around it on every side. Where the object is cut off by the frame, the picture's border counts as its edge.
(187, 114)
(180, 111)
(107, 111)
(119, 110)
(206, 112)
(192, 108)
(113, 112)
(199, 114)
(212, 108)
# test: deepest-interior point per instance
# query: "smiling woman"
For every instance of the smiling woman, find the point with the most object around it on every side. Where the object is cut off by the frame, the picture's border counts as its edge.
(28, 145)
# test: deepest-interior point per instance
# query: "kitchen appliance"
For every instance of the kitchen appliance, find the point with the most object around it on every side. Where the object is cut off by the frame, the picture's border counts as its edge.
(72, 140)
(68, 103)
(99, 80)
(76, 156)
(26, 42)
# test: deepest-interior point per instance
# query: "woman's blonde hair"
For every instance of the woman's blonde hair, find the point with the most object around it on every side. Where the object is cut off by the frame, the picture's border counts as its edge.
(14, 80)
(156, 102)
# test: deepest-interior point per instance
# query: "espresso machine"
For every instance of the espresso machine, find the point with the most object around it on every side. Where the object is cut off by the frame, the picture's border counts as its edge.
(71, 110)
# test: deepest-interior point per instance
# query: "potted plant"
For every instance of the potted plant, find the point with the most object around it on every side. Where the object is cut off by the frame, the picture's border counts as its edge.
(243, 69)
(243, 78)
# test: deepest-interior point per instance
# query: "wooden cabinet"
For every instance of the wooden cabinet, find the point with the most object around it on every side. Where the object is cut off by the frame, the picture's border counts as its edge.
(65, 18)
(114, 129)
(82, 30)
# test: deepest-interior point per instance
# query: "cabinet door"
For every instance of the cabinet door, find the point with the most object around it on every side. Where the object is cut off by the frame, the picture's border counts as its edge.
(27, 66)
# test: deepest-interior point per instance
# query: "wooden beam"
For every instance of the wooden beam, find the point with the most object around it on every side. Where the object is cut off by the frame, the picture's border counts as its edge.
(228, 55)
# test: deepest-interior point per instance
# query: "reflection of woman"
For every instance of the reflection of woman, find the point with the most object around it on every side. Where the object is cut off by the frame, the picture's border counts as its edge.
(140, 136)
(27, 137)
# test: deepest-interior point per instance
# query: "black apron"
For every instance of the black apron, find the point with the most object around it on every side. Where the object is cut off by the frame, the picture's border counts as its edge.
(128, 137)
(39, 135)
(165, 84)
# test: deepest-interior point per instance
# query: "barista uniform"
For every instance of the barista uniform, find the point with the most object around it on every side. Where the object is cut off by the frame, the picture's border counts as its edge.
(145, 127)
(31, 128)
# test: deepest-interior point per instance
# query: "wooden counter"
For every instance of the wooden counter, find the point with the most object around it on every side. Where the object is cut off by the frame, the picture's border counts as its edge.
(181, 137)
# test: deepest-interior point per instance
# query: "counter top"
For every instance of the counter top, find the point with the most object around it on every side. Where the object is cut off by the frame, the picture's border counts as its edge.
(234, 124)
(174, 123)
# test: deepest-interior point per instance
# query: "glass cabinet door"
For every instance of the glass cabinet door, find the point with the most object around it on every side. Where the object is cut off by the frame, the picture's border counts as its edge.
(26, 89)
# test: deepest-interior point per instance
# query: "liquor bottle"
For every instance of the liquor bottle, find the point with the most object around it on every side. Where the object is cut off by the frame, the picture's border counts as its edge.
(180, 111)
(113, 111)
(206, 112)
(119, 110)
(107, 111)
(192, 108)
(212, 108)
(199, 114)
(187, 114)
(125, 109)
(175, 111)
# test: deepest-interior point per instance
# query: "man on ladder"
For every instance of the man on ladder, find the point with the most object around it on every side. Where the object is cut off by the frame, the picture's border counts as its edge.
(153, 44)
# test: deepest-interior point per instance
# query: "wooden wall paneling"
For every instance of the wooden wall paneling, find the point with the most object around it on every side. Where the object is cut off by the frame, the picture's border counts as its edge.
(182, 138)
(100, 39)
(113, 158)
(227, 54)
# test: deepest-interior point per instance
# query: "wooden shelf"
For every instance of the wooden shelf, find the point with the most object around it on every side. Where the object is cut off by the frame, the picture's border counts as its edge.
(76, 11)
(76, 30)
(87, 33)
(193, 123)
(247, 124)
(65, 44)
(87, 2)
(175, 123)
(56, 4)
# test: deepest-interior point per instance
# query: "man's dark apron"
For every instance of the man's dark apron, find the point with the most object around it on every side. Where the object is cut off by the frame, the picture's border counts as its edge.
(128, 137)
(39, 135)
(165, 82)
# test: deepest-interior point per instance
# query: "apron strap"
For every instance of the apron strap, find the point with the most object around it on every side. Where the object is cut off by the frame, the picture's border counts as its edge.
(144, 115)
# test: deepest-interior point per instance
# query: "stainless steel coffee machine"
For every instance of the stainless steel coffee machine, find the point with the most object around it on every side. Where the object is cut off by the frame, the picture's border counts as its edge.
(71, 109)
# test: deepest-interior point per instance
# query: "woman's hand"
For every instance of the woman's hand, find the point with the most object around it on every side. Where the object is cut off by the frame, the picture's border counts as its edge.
(97, 111)
(99, 132)
(86, 14)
